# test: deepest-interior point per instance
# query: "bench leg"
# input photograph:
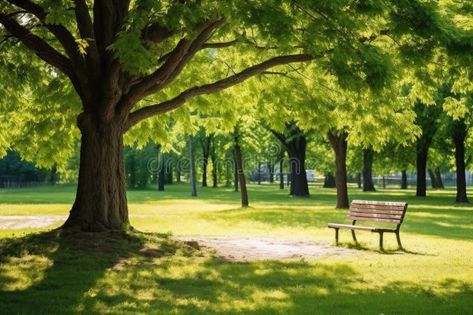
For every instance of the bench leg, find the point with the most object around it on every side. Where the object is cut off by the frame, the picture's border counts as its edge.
(398, 238)
(336, 236)
(354, 235)
(381, 241)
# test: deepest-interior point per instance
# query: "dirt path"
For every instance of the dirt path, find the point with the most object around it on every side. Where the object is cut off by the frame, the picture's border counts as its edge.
(229, 248)
(17, 222)
(262, 248)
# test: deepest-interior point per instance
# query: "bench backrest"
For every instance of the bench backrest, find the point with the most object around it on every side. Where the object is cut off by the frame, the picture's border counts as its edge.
(381, 211)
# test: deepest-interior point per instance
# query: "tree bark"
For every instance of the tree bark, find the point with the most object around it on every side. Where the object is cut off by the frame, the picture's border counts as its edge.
(193, 177)
(329, 180)
(458, 136)
(367, 170)
(403, 179)
(241, 174)
(101, 202)
(339, 145)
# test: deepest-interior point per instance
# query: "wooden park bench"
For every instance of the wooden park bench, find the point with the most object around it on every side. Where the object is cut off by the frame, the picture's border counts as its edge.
(374, 211)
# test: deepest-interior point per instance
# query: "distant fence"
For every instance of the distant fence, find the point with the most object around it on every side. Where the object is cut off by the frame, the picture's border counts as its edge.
(16, 182)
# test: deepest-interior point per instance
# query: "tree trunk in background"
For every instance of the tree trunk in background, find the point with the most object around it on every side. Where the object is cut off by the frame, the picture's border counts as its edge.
(438, 176)
(162, 171)
(259, 173)
(339, 145)
(329, 180)
(403, 179)
(241, 174)
(299, 185)
(426, 118)
(193, 176)
(358, 180)
(367, 170)
(101, 202)
(433, 179)
(458, 136)
(213, 158)
(295, 142)
(235, 172)
(281, 174)
(169, 171)
(206, 143)
(178, 173)
(421, 165)
(271, 171)
(53, 175)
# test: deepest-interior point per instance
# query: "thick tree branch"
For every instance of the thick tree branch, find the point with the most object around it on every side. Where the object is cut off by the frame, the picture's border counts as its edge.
(145, 112)
(41, 48)
(84, 21)
(220, 45)
(60, 32)
(174, 64)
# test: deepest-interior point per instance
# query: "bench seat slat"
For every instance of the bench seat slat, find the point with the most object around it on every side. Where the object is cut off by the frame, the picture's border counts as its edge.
(395, 212)
(360, 218)
(359, 227)
(378, 207)
(381, 203)
(375, 215)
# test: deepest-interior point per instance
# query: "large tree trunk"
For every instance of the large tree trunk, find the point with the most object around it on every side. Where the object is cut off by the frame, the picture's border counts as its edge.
(421, 165)
(339, 145)
(459, 135)
(367, 170)
(241, 175)
(403, 179)
(101, 202)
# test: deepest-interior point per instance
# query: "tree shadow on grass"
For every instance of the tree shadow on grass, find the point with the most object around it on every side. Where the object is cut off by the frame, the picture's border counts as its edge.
(48, 273)
(144, 274)
(272, 287)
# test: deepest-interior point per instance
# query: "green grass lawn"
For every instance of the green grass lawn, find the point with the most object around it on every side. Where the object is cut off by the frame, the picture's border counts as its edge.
(41, 273)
